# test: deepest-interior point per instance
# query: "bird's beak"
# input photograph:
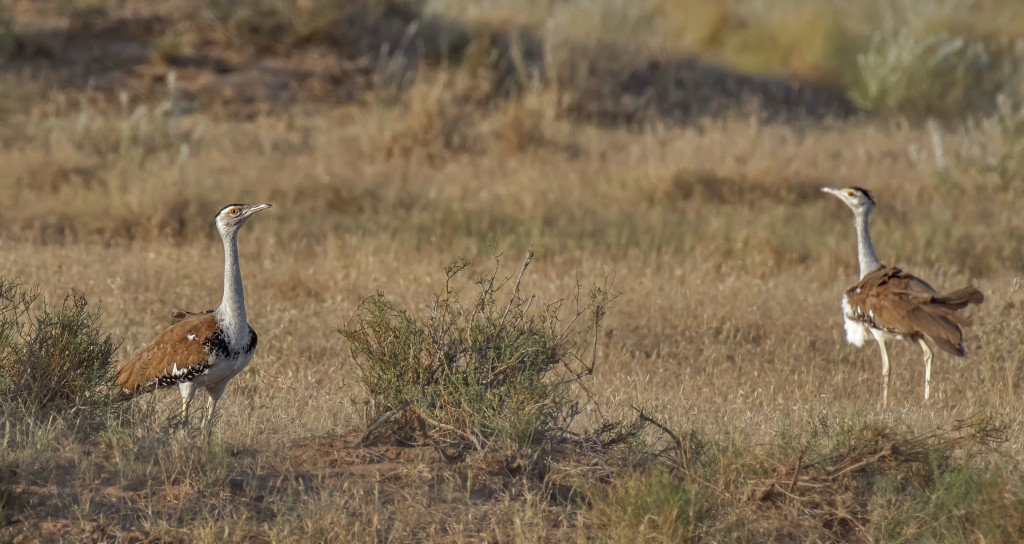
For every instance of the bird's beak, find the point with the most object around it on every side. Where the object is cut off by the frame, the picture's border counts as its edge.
(830, 190)
(257, 207)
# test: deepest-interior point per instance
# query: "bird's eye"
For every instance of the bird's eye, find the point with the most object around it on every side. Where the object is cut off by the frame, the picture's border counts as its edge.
(234, 211)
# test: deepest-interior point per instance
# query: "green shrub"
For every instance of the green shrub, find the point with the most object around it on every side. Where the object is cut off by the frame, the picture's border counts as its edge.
(54, 360)
(933, 74)
(477, 374)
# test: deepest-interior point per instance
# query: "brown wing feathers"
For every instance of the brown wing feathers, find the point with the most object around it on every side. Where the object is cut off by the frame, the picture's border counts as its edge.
(894, 301)
(179, 353)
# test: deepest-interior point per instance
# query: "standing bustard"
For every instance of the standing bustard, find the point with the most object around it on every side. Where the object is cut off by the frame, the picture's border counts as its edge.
(890, 304)
(203, 349)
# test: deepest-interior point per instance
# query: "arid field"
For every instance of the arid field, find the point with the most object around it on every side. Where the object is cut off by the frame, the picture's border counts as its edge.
(665, 158)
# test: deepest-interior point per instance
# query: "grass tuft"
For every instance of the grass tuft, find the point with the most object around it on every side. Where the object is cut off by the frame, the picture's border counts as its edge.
(655, 506)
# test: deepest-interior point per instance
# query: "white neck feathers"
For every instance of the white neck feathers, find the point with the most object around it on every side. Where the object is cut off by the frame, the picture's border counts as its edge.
(231, 312)
(865, 249)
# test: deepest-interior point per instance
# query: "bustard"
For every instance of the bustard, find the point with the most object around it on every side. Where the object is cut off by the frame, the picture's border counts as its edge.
(202, 350)
(888, 303)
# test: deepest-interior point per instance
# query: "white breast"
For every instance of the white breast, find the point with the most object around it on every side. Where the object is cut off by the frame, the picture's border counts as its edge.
(855, 331)
(224, 369)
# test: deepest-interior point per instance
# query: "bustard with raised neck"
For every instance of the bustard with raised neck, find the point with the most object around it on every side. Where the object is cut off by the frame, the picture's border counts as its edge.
(889, 304)
(202, 350)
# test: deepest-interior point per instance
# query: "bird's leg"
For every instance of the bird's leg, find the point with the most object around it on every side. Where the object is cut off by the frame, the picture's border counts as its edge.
(885, 371)
(927, 367)
(208, 418)
(215, 393)
(188, 391)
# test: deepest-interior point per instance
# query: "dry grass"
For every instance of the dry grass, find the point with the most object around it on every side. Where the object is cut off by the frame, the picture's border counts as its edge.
(728, 263)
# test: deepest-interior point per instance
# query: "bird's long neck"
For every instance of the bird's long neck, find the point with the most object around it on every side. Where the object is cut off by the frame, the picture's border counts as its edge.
(231, 313)
(865, 249)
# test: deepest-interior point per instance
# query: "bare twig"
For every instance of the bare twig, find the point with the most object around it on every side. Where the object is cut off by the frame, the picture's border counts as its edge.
(515, 292)
(664, 428)
(598, 319)
(887, 451)
(383, 420)
(434, 422)
(796, 473)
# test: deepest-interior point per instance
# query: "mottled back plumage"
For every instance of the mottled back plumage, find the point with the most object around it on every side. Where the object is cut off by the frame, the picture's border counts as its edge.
(180, 353)
(183, 352)
(901, 304)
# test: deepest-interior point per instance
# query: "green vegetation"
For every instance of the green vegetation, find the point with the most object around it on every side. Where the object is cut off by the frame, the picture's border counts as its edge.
(500, 372)
(54, 361)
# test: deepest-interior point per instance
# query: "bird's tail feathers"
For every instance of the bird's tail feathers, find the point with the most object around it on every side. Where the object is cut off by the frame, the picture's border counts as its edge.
(960, 298)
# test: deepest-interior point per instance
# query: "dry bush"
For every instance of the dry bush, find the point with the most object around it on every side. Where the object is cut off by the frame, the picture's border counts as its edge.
(54, 361)
(491, 374)
(829, 480)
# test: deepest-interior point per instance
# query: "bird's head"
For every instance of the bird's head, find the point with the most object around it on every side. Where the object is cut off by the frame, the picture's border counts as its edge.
(233, 216)
(857, 198)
